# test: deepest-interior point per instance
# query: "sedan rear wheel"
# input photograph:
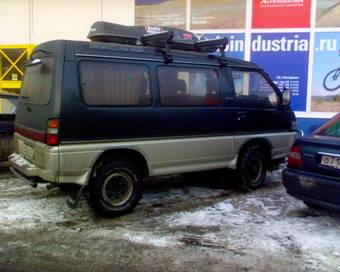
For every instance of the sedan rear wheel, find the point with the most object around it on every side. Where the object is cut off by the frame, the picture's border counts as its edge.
(311, 205)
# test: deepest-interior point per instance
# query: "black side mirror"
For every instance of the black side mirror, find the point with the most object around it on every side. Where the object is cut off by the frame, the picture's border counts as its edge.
(286, 97)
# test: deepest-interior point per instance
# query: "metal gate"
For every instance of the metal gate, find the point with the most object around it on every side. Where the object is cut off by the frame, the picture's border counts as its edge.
(12, 60)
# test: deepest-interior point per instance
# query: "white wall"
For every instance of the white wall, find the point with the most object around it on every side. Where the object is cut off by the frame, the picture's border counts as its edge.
(36, 21)
(14, 21)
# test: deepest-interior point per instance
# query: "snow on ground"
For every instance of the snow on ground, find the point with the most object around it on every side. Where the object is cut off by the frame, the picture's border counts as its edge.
(135, 236)
(209, 216)
(256, 231)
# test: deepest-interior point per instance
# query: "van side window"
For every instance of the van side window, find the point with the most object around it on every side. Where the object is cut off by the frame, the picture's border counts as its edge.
(114, 84)
(181, 86)
(251, 86)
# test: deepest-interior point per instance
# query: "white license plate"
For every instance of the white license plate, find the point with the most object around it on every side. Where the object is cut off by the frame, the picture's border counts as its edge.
(18, 160)
(330, 161)
(27, 152)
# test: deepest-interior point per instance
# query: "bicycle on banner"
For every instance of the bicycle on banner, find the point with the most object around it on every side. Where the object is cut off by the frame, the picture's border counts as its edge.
(331, 82)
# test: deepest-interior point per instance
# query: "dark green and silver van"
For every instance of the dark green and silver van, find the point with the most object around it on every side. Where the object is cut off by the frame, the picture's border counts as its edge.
(105, 115)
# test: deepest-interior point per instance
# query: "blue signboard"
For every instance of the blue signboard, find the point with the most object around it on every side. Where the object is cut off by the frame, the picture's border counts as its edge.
(235, 47)
(285, 57)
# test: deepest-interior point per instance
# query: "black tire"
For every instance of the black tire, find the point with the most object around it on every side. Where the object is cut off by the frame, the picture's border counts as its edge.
(312, 205)
(332, 75)
(116, 189)
(6, 146)
(251, 169)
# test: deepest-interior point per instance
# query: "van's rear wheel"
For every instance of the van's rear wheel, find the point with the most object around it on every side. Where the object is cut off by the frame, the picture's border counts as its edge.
(251, 168)
(116, 189)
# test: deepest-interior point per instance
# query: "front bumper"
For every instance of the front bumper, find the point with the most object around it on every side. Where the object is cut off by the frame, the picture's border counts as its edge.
(320, 190)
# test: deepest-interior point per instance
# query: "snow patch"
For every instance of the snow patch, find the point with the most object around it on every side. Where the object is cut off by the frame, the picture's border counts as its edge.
(149, 239)
(210, 216)
(138, 237)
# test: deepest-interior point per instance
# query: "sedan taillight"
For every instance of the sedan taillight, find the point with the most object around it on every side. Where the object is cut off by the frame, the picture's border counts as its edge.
(294, 158)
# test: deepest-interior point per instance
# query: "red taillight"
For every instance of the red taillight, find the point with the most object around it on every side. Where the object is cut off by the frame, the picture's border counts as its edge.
(52, 139)
(53, 123)
(294, 158)
(52, 132)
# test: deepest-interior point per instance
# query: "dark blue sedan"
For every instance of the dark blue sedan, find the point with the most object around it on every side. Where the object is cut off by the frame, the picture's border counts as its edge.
(313, 168)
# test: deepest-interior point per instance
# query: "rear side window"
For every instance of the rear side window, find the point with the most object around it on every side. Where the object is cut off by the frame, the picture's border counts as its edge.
(252, 87)
(37, 84)
(114, 84)
(181, 86)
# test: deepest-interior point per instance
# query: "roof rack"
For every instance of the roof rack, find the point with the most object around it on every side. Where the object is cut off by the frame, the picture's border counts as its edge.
(159, 40)
(162, 38)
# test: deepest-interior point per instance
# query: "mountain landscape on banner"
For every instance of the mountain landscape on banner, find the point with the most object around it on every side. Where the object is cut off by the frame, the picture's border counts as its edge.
(328, 13)
(218, 14)
(281, 14)
(161, 12)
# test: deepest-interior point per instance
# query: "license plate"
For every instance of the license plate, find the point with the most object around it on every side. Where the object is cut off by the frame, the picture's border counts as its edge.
(330, 161)
(27, 151)
(18, 160)
(307, 182)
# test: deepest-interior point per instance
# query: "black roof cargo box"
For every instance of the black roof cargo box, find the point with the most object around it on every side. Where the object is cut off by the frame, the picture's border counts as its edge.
(156, 36)
(110, 32)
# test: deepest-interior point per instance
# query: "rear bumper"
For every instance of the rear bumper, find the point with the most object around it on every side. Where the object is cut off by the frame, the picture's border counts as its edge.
(27, 170)
(318, 189)
(29, 181)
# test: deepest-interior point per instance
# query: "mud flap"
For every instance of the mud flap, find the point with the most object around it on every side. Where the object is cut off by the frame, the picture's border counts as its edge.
(71, 201)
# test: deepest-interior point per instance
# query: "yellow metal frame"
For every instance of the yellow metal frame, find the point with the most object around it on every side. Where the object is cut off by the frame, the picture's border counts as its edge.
(13, 84)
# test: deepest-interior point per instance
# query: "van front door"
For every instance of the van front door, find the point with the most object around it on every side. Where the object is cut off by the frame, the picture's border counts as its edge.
(257, 104)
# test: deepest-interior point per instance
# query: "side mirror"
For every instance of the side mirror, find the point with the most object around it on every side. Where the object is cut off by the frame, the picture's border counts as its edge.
(33, 62)
(300, 132)
(286, 97)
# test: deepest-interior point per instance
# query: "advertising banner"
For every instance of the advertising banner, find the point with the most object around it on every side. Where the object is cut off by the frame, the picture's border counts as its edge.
(218, 14)
(285, 57)
(281, 13)
(326, 73)
(328, 13)
(235, 47)
(161, 13)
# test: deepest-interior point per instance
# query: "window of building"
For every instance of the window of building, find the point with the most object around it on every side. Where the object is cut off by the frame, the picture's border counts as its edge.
(114, 84)
(253, 87)
(181, 86)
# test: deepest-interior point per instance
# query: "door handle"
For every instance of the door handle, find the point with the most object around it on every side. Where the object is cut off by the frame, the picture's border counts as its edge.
(241, 115)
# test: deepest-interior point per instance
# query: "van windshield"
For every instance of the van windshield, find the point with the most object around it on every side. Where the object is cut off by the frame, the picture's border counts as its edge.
(37, 84)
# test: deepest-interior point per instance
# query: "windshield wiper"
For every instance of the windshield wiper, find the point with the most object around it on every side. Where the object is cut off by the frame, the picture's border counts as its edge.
(32, 61)
(41, 51)
(24, 96)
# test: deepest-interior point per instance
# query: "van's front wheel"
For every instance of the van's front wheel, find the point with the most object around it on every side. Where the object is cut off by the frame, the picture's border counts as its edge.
(251, 168)
(116, 189)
